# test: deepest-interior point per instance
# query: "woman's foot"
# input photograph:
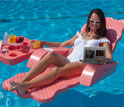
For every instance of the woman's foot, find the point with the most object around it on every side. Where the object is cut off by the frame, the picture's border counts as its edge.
(18, 86)
(13, 86)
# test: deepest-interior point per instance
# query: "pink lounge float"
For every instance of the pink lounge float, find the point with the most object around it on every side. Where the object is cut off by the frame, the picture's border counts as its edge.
(90, 75)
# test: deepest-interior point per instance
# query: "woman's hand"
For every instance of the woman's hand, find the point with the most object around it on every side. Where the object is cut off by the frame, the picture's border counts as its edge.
(104, 60)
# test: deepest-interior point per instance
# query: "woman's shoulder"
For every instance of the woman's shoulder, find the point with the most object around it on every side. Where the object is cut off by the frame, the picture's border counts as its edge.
(80, 34)
(83, 34)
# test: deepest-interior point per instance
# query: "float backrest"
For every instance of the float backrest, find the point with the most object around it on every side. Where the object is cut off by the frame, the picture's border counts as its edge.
(114, 30)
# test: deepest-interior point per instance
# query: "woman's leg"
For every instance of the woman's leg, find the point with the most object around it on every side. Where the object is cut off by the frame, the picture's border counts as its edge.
(67, 70)
(50, 58)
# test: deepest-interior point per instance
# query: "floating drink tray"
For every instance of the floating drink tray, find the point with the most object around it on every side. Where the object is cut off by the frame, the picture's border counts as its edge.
(15, 55)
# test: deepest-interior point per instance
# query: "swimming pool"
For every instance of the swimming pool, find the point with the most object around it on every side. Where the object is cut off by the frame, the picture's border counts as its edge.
(58, 20)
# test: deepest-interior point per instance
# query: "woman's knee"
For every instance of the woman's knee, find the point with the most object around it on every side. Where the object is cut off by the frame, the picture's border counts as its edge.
(52, 54)
(56, 71)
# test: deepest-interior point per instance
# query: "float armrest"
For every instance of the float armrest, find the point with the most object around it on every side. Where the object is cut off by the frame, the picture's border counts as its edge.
(61, 50)
(40, 53)
(36, 56)
(93, 73)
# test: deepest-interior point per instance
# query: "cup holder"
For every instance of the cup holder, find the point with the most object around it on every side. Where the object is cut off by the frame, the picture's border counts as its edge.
(25, 49)
(13, 54)
(11, 47)
(25, 43)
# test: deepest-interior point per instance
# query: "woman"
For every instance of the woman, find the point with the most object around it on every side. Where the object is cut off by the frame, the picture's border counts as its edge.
(67, 66)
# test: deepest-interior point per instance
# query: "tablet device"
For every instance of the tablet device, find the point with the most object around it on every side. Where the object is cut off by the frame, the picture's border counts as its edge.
(91, 53)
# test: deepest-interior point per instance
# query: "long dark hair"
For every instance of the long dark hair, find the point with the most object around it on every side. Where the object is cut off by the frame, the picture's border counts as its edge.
(102, 30)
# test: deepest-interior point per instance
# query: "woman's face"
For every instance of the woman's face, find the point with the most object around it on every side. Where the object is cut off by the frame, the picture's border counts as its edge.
(94, 22)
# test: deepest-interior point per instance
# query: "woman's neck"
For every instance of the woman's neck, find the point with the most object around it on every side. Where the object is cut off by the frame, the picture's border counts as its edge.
(92, 32)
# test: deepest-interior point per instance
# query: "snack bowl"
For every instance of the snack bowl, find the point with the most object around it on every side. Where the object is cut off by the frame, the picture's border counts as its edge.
(15, 40)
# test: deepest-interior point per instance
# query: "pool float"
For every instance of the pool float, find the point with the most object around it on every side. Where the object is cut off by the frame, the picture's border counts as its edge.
(91, 74)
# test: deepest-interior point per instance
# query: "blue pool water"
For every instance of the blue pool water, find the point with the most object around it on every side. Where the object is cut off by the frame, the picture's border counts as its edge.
(58, 20)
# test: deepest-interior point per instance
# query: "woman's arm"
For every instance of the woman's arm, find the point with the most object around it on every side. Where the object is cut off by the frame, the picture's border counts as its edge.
(109, 56)
(108, 50)
(69, 42)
